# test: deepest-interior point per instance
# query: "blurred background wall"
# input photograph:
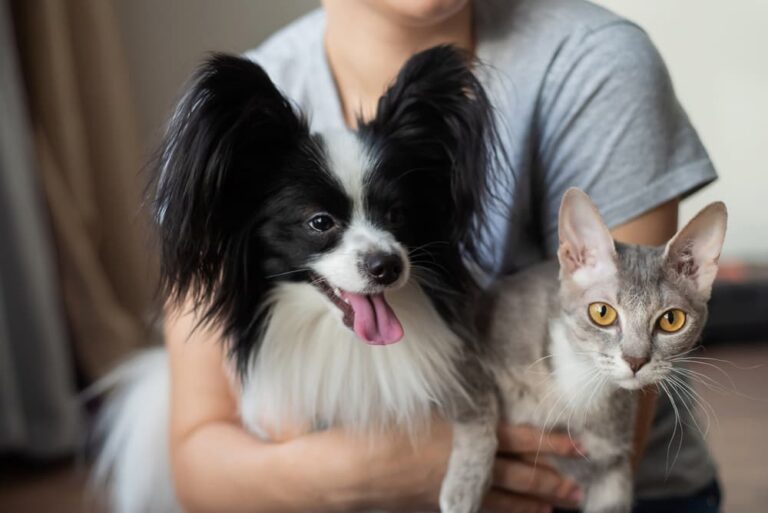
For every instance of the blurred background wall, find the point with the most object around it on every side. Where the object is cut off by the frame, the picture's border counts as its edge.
(165, 40)
(716, 52)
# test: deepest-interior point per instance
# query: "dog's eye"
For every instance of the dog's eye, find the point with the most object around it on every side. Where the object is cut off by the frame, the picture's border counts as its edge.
(321, 222)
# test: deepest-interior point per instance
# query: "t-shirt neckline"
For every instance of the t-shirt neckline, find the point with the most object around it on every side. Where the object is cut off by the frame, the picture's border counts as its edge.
(328, 104)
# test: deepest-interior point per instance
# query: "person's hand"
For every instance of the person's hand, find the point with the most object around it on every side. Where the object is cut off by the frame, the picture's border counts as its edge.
(392, 470)
(523, 481)
(393, 473)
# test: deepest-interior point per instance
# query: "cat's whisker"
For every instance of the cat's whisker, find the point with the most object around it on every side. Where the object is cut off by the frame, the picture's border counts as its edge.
(727, 362)
(593, 397)
(681, 392)
(702, 403)
(691, 350)
(703, 379)
(555, 406)
(537, 361)
(595, 379)
(545, 424)
(560, 365)
(732, 388)
(699, 361)
(678, 422)
(582, 381)
(679, 388)
(715, 385)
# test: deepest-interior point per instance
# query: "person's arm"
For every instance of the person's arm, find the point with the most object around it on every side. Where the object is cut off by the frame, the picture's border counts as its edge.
(218, 466)
(653, 228)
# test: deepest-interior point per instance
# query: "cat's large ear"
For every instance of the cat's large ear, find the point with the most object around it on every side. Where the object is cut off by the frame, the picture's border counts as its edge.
(587, 253)
(694, 252)
(229, 133)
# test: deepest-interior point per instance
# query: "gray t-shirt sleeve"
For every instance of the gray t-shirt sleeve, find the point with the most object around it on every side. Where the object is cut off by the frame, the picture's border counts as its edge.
(610, 124)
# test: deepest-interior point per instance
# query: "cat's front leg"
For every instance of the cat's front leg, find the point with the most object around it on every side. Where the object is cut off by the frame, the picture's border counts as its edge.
(471, 462)
(610, 490)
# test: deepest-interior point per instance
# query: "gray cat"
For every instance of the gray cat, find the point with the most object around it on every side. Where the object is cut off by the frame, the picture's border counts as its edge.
(573, 347)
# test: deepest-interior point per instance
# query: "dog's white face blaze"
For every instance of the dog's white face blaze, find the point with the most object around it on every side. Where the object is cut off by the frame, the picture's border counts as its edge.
(403, 380)
(343, 267)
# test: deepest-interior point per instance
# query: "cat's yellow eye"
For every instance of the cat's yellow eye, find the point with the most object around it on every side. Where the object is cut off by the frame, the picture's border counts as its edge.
(672, 320)
(602, 314)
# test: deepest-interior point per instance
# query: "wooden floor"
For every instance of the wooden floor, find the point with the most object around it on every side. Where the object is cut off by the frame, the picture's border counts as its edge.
(739, 440)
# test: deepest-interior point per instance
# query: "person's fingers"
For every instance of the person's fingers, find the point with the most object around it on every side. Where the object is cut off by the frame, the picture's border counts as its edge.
(515, 439)
(497, 501)
(535, 481)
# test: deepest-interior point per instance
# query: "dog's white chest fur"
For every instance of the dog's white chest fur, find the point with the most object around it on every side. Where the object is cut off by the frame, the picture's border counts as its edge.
(312, 372)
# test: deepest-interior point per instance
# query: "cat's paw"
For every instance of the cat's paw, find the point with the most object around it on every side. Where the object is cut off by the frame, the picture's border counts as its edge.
(607, 501)
(460, 498)
(616, 508)
(610, 491)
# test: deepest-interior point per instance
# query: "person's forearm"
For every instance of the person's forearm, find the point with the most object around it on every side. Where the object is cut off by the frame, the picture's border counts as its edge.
(221, 468)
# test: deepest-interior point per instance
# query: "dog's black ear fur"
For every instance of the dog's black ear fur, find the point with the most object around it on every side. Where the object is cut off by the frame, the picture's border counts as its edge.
(231, 129)
(438, 107)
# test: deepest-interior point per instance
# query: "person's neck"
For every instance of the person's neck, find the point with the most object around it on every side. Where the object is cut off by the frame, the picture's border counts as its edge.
(365, 53)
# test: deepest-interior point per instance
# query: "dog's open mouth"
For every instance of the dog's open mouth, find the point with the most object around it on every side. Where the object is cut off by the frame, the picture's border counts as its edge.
(368, 315)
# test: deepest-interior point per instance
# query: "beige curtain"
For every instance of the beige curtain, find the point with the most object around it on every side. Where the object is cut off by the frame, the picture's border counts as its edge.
(89, 157)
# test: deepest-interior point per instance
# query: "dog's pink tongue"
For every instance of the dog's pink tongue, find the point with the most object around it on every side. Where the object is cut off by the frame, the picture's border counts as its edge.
(375, 322)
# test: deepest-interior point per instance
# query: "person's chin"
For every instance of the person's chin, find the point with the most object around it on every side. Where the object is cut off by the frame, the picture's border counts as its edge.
(422, 13)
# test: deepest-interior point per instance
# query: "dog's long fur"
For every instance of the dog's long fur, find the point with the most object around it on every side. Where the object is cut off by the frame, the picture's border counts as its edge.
(278, 237)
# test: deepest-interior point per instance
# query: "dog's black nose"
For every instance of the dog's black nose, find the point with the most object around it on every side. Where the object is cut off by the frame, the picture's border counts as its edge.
(384, 268)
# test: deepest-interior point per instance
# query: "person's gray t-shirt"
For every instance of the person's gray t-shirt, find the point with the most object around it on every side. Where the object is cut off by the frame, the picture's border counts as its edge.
(582, 99)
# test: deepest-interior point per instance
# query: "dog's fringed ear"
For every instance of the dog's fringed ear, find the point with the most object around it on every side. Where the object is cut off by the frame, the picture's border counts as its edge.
(231, 127)
(438, 106)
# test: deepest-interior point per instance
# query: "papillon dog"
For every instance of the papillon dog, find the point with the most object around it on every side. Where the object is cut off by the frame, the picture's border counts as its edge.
(335, 265)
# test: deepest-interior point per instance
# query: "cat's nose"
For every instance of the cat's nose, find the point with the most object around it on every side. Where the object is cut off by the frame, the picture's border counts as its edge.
(384, 268)
(635, 363)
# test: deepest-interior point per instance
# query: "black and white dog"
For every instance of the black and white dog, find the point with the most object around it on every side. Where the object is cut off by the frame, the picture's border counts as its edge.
(334, 263)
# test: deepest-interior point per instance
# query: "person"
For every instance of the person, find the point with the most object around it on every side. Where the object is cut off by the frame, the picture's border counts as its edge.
(582, 99)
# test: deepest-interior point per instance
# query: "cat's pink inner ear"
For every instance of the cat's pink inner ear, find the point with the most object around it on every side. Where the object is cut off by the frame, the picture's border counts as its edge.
(586, 251)
(694, 251)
